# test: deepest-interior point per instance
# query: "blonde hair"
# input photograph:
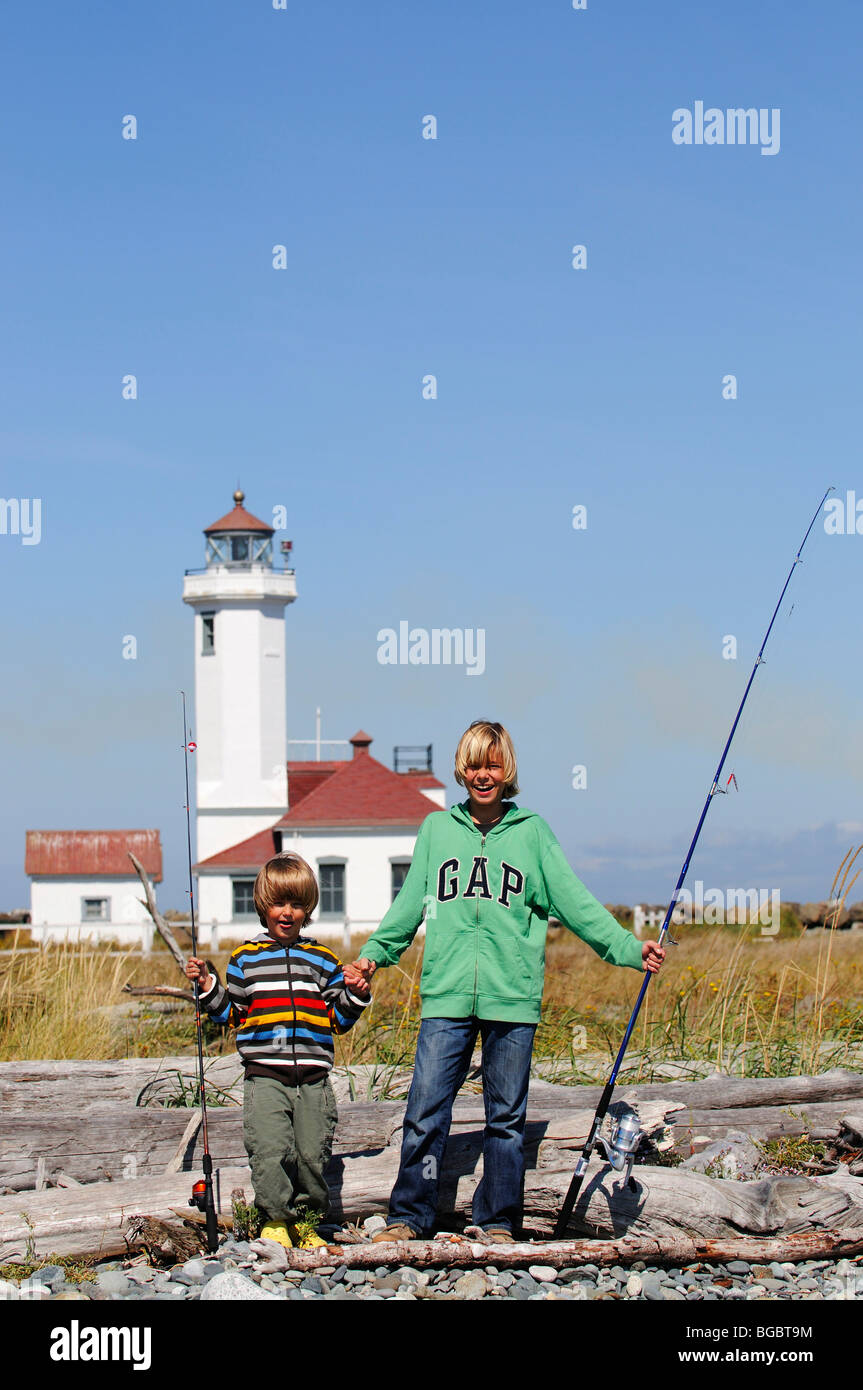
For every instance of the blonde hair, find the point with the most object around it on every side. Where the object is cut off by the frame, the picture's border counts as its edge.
(476, 746)
(285, 879)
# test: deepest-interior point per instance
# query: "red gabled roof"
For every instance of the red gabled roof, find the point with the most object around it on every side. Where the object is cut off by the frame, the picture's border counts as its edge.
(100, 853)
(248, 854)
(305, 777)
(239, 520)
(360, 792)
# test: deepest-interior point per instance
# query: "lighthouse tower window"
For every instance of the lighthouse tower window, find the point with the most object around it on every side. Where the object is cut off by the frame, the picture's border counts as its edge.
(239, 549)
(208, 634)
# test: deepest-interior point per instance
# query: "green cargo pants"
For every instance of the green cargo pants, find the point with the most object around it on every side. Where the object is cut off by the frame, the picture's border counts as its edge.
(288, 1134)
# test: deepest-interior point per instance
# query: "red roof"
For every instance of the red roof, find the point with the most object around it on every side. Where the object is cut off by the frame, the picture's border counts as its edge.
(248, 854)
(306, 777)
(100, 853)
(239, 520)
(360, 792)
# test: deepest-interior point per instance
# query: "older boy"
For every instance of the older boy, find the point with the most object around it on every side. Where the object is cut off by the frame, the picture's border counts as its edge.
(493, 874)
(286, 998)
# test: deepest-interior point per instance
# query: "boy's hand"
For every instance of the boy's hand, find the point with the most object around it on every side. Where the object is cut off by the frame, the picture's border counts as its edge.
(357, 983)
(358, 977)
(196, 969)
(652, 956)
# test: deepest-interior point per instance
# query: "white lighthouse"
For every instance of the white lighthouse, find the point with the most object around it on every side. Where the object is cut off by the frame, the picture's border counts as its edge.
(239, 600)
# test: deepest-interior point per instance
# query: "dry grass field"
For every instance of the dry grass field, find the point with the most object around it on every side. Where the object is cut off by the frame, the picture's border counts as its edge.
(725, 999)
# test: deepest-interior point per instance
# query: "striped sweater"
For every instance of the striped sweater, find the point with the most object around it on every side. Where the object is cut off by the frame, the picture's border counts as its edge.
(285, 1002)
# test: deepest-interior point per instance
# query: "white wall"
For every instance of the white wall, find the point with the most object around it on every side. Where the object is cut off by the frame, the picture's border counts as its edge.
(368, 855)
(55, 910)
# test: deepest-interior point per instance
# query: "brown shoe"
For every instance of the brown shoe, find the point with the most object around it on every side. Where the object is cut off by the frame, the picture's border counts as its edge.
(398, 1231)
(498, 1235)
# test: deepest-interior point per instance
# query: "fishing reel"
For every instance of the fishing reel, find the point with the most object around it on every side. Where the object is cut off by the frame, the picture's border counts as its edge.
(199, 1196)
(621, 1148)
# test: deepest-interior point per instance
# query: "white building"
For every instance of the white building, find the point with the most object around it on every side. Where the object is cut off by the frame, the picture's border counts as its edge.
(85, 888)
(354, 819)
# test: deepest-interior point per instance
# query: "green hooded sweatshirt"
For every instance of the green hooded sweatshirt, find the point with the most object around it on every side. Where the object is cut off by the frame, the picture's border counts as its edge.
(486, 898)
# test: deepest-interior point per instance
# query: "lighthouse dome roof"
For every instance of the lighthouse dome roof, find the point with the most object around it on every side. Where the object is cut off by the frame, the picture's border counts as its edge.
(239, 520)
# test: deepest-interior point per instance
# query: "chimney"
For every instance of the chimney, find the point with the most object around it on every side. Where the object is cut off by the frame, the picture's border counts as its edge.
(360, 744)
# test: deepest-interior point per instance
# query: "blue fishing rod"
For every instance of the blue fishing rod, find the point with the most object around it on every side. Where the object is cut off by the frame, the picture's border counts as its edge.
(605, 1100)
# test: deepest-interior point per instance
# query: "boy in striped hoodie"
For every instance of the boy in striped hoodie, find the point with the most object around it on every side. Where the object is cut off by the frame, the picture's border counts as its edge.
(286, 997)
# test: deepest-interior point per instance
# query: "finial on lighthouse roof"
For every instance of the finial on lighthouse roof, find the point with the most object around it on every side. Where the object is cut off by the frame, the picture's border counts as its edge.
(239, 498)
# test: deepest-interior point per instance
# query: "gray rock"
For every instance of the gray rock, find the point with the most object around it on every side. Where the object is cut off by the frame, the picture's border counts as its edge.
(475, 1284)
(651, 1287)
(735, 1156)
(233, 1285)
(737, 1267)
(544, 1274)
(372, 1224)
(355, 1276)
(49, 1274)
(112, 1282)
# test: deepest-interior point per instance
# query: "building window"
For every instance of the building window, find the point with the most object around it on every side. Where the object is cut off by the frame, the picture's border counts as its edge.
(399, 874)
(239, 549)
(244, 897)
(332, 879)
(95, 909)
(208, 640)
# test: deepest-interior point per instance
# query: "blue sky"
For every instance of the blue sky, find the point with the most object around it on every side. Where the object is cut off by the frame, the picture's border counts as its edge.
(556, 387)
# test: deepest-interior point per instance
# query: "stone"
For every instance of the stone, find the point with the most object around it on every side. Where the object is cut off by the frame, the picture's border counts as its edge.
(735, 1156)
(233, 1285)
(650, 1287)
(49, 1274)
(112, 1282)
(475, 1284)
(373, 1224)
(355, 1276)
(543, 1274)
(634, 1285)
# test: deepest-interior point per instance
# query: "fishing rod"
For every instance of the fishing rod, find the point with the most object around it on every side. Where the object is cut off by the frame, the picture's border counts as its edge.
(623, 1147)
(202, 1192)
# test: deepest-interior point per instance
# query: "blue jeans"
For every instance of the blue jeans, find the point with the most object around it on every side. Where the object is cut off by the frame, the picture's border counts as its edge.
(442, 1061)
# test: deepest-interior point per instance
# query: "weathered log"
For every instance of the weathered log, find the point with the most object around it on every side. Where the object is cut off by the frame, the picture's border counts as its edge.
(78, 1085)
(663, 1205)
(126, 1142)
(461, 1252)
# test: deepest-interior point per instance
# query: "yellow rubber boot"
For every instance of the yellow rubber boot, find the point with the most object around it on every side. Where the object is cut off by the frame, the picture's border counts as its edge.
(277, 1230)
(304, 1237)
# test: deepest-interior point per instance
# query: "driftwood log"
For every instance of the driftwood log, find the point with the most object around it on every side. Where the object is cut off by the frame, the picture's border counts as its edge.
(76, 1123)
(77, 1085)
(668, 1210)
